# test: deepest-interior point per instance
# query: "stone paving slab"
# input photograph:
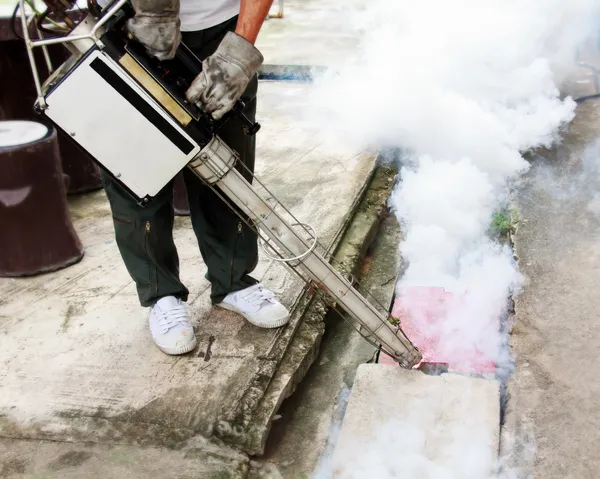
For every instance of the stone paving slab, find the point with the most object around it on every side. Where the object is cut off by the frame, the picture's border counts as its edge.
(76, 359)
(402, 423)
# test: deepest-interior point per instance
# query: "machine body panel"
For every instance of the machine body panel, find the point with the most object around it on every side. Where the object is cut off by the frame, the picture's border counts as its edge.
(117, 122)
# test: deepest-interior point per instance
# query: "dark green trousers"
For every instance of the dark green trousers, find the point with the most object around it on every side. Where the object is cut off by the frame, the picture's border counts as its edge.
(144, 235)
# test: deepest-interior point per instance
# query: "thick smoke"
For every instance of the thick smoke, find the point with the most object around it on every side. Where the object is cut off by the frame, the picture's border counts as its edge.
(463, 88)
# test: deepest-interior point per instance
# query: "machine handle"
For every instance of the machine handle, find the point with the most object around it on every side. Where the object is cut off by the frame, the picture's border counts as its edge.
(252, 127)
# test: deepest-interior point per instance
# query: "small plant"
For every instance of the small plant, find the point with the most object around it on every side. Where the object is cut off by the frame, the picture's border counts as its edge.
(394, 321)
(500, 223)
(506, 222)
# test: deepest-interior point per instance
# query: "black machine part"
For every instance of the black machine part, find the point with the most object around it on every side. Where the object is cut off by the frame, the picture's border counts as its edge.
(174, 75)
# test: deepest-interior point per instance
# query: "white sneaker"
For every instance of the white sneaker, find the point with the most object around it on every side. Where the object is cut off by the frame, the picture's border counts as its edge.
(170, 327)
(258, 305)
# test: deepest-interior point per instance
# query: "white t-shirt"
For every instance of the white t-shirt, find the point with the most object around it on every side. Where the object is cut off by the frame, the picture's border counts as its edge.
(201, 14)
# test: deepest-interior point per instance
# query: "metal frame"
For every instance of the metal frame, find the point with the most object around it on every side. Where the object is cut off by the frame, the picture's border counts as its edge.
(31, 44)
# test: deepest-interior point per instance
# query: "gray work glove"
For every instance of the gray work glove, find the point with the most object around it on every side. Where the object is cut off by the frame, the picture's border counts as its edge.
(156, 25)
(225, 75)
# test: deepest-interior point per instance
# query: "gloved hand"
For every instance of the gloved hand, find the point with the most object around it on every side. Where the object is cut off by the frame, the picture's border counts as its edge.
(156, 25)
(225, 75)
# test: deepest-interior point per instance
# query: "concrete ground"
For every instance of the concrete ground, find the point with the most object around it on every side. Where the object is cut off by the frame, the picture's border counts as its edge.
(77, 360)
(303, 436)
(553, 421)
(64, 460)
(311, 33)
(300, 441)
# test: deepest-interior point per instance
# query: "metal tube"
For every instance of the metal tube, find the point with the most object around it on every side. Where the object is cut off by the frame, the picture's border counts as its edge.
(111, 11)
(46, 54)
(55, 41)
(85, 27)
(28, 45)
(217, 157)
(367, 333)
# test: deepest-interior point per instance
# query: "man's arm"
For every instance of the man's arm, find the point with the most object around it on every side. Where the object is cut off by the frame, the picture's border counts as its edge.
(251, 18)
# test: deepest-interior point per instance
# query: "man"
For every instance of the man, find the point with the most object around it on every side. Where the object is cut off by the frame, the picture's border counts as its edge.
(222, 34)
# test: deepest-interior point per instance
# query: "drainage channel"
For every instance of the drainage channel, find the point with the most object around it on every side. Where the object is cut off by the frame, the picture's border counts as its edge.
(305, 432)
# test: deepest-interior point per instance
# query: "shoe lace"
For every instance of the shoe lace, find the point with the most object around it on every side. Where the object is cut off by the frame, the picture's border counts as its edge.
(173, 317)
(257, 295)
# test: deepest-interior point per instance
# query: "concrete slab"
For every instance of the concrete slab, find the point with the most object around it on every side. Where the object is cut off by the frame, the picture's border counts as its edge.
(77, 362)
(553, 423)
(402, 423)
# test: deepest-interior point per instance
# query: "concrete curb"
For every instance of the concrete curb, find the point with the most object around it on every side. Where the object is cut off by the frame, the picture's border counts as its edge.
(248, 426)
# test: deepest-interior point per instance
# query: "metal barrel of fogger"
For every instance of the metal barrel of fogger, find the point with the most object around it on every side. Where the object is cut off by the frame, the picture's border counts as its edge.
(215, 165)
